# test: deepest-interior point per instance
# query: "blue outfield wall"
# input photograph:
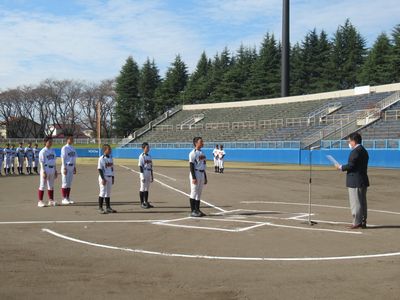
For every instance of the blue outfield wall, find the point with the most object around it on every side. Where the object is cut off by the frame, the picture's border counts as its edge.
(385, 158)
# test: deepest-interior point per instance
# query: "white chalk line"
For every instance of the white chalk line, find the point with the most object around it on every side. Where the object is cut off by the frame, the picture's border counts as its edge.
(175, 189)
(78, 222)
(316, 205)
(256, 224)
(211, 257)
(168, 177)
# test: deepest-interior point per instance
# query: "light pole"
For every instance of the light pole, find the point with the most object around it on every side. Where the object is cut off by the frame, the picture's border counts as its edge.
(285, 64)
(98, 124)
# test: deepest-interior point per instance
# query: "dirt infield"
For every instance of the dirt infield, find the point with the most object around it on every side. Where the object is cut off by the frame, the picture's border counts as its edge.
(254, 243)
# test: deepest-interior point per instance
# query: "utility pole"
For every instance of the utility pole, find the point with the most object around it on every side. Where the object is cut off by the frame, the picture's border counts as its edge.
(285, 60)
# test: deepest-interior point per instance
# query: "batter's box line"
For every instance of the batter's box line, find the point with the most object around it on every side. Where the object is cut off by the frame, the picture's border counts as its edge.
(170, 223)
(256, 225)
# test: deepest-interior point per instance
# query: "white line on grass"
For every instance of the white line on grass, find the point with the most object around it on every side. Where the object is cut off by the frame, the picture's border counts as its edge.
(232, 258)
(175, 189)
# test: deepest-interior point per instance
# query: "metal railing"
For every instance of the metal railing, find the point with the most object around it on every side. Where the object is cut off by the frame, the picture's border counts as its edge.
(392, 115)
(149, 125)
(369, 144)
(244, 124)
(216, 126)
(190, 122)
(272, 123)
(227, 145)
(325, 110)
(343, 128)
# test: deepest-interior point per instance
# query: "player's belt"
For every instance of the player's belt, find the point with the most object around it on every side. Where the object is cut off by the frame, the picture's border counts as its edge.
(108, 175)
(201, 171)
(50, 167)
(70, 165)
(148, 169)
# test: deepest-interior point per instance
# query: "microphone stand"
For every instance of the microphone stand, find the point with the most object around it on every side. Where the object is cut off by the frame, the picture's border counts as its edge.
(310, 222)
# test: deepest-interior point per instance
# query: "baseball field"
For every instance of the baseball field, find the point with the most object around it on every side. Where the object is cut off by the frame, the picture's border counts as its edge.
(254, 243)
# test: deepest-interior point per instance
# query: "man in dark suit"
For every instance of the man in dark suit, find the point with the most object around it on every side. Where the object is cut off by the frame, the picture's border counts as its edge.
(357, 180)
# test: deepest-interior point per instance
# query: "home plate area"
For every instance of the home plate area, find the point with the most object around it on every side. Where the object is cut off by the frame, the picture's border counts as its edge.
(240, 220)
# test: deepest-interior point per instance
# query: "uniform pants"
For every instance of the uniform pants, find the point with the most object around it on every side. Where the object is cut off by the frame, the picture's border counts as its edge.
(221, 163)
(105, 190)
(358, 204)
(20, 162)
(1, 165)
(66, 180)
(196, 189)
(145, 181)
(7, 163)
(49, 181)
(36, 162)
(29, 162)
(216, 163)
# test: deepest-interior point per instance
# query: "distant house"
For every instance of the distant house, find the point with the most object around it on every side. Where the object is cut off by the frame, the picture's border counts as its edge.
(20, 127)
(60, 131)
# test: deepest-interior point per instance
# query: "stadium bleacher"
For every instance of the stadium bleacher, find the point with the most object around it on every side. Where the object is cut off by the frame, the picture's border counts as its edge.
(271, 122)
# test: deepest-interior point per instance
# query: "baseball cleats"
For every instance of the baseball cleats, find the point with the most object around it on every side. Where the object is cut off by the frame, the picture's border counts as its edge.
(52, 203)
(65, 202)
(41, 204)
(110, 210)
(195, 214)
(102, 211)
(71, 201)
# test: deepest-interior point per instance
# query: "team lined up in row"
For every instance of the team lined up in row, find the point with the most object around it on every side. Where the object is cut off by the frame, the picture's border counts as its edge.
(106, 178)
(9, 155)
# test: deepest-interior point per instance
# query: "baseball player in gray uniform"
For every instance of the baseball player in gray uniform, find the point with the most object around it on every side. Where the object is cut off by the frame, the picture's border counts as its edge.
(197, 176)
(29, 158)
(48, 172)
(145, 164)
(68, 169)
(20, 154)
(7, 159)
(106, 179)
(13, 155)
(1, 160)
(36, 151)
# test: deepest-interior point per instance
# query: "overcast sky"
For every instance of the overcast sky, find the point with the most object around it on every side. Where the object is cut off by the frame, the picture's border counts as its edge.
(90, 39)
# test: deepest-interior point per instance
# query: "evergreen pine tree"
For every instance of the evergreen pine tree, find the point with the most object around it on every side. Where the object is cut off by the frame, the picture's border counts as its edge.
(171, 89)
(264, 80)
(148, 84)
(378, 65)
(128, 105)
(348, 53)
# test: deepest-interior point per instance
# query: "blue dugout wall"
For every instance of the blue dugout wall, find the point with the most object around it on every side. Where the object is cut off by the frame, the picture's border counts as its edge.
(386, 158)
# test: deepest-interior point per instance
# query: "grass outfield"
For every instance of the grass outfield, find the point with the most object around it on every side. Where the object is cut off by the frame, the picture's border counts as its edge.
(228, 165)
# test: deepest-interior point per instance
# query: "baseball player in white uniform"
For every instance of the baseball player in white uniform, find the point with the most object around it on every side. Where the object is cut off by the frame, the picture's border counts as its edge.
(221, 155)
(29, 158)
(7, 159)
(68, 169)
(13, 154)
(1, 160)
(106, 179)
(145, 164)
(48, 172)
(20, 154)
(215, 155)
(36, 151)
(197, 176)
